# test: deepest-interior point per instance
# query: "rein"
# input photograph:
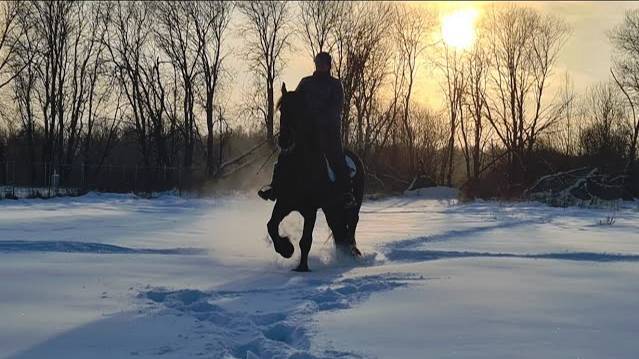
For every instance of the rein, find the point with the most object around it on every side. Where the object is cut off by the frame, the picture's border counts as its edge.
(289, 149)
(284, 151)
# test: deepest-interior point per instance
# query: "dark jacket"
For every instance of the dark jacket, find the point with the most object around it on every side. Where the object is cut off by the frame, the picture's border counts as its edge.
(324, 97)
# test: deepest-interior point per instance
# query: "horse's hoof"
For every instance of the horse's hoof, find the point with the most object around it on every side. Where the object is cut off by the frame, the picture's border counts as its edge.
(301, 268)
(356, 252)
(349, 250)
(284, 247)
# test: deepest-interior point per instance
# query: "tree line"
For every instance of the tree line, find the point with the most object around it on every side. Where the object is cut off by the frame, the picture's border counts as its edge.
(89, 79)
(141, 83)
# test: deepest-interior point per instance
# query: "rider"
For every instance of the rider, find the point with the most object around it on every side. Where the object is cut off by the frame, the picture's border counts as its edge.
(324, 98)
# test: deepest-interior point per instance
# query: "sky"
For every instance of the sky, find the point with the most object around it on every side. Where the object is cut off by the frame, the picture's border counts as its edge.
(587, 52)
(586, 56)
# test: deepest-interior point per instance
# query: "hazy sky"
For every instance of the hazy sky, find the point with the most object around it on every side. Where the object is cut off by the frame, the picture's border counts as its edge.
(586, 55)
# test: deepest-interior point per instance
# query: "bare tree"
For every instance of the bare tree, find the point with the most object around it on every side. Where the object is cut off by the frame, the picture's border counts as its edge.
(564, 134)
(625, 38)
(104, 135)
(14, 28)
(211, 21)
(318, 19)
(523, 47)
(25, 77)
(100, 94)
(177, 37)
(268, 31)
(474, 134)
(85, 72)
(430, 139)
(55, 25)
(604, 139)
(393, 127)
(364, 52)
(411, 28)
(454, 88)
(58, 66)
(129, 31)
(224, 134)
(154, 101)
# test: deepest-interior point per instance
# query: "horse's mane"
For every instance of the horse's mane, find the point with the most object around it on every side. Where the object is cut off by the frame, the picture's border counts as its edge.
(280, 101)
(278, 104)
(298, 124)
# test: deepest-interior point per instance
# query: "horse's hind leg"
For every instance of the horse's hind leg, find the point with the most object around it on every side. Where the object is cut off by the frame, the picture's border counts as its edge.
(282, 245)
(351, 227)
(343, 227)
(336, 222)
(307, 239)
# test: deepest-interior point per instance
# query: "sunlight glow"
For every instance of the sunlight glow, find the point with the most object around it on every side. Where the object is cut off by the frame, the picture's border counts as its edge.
(458, 28)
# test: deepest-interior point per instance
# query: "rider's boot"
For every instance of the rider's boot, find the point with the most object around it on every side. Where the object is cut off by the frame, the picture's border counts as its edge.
(269, 191)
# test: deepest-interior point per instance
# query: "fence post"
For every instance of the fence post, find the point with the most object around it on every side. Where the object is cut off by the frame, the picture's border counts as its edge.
(55, 180)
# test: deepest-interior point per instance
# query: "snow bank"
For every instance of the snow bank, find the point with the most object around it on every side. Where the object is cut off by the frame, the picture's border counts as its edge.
(437, 193)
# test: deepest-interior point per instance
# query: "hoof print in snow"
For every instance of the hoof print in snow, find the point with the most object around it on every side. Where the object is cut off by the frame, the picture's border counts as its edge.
(282, 332)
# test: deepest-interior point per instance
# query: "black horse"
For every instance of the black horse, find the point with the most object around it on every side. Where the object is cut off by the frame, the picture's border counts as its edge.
(306, 184)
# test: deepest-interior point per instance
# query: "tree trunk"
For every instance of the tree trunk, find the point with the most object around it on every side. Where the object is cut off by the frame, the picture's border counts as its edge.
(210, 160)
(270, 109)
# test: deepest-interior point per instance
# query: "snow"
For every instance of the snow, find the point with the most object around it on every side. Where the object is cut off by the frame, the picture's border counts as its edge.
(115, 276)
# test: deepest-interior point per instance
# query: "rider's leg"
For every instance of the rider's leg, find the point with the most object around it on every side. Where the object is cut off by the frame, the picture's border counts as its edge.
(269, 191)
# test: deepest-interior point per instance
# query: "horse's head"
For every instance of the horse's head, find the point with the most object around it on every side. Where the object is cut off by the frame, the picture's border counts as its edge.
(291, 109)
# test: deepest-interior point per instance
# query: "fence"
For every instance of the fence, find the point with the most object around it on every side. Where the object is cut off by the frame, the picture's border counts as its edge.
(42, 179)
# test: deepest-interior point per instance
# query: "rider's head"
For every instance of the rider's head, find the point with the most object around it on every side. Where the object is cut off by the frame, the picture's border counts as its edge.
(323, 62)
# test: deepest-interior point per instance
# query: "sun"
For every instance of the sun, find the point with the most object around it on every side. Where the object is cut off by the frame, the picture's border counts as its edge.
(458, 28)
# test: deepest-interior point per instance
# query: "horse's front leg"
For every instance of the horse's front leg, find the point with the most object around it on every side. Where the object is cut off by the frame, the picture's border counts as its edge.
(282, 245)
(307, 238)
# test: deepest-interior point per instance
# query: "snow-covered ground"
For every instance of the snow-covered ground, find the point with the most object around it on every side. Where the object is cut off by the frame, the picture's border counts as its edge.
(112, 276)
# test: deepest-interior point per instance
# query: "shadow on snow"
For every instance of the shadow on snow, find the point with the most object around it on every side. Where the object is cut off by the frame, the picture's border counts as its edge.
(265, 316)
(87, 247)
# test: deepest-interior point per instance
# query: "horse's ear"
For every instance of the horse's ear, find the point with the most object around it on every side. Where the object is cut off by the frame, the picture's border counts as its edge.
(284, 88)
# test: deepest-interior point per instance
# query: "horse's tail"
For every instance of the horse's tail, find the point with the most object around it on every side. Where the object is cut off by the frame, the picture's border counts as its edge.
(358, 182)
